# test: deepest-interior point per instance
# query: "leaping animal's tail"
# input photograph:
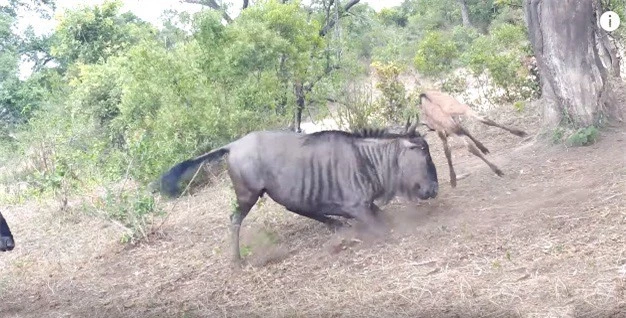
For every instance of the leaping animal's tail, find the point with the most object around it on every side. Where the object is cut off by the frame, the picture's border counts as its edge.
(169, 182)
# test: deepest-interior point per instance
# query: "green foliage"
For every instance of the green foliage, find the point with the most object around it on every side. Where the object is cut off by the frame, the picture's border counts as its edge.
(96, 91)
(583, 137)
(435, 54)
(431, 15)
(357, 108)
(482, 13)
(454, 84)
(134, 210)
(508, 35)
(393, 101)
(575, 138)
(499, 55)
(463, 37)
(508, 14)
(93, 34)
(393, 16)
(557, 134)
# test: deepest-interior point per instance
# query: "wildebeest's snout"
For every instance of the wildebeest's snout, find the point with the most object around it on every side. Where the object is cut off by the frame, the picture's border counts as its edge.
(6, 243)
(430, 191)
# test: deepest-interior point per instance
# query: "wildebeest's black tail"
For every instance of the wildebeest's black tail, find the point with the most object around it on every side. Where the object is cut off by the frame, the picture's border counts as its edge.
(169, 182)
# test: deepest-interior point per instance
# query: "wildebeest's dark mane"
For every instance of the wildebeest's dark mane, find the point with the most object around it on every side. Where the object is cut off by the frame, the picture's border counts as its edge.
(362, 133)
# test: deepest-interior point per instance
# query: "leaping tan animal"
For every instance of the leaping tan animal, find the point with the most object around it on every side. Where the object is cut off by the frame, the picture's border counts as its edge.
(441, 112)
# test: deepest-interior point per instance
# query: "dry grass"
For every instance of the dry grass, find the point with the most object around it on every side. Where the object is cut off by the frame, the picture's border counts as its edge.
(546, 240)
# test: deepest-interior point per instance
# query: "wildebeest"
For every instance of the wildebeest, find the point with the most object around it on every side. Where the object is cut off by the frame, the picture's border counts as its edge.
(6, 238)
(441, 113)
(327, 173)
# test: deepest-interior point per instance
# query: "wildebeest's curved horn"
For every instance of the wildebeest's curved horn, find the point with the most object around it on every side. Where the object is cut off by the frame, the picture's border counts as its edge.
(411, 130)
(408, 123)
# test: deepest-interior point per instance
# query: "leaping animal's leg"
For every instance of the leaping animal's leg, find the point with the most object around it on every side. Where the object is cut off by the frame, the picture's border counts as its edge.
(487, 121)
(472, 148)
(464, 132)
(446, 149)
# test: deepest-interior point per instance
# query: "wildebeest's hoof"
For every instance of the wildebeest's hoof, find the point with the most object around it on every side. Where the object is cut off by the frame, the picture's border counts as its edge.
(6, 244)
(453, 182)
(335, 225)
(499, 172)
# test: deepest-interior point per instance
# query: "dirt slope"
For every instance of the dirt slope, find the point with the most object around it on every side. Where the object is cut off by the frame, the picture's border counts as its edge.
(546, 240)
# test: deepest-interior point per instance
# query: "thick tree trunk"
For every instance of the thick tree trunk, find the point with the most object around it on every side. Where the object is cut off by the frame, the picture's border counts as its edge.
(465, 13)
(576, 59)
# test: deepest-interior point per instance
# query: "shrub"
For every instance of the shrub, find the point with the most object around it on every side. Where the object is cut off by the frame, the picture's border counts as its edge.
(132, 210)
(583, 137)
(436, 54)
(393, 101)
(357, 108)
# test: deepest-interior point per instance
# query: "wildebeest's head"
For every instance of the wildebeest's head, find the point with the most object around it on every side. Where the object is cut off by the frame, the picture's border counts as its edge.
(417, 172)
(6, 238)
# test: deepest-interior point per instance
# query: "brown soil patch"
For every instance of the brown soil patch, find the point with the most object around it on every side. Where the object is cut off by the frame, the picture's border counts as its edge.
(546, 240)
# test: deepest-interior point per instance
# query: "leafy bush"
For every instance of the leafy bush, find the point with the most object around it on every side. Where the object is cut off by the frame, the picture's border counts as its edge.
(357, 108)
(509, 36)
(454, 84)
(499, 56)
(583, 137)
(393, 101)
(436, 54)
(132, 210)
(463, 37)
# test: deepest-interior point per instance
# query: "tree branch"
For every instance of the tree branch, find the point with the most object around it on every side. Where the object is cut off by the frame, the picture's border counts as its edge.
(331, 22)
(213, 5)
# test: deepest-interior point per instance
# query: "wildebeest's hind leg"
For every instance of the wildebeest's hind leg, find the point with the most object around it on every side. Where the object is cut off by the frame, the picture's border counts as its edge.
(333, 224)
(472, 148)
(246, 199)
(446, 150)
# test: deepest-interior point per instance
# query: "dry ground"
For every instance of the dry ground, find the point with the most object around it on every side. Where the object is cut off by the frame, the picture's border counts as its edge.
(546, 240)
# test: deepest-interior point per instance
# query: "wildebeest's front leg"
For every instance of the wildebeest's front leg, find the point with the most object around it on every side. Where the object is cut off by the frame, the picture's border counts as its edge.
(446, 150)
(368, 215)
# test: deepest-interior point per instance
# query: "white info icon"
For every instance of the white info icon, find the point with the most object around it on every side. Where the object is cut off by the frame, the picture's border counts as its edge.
(609, 21)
